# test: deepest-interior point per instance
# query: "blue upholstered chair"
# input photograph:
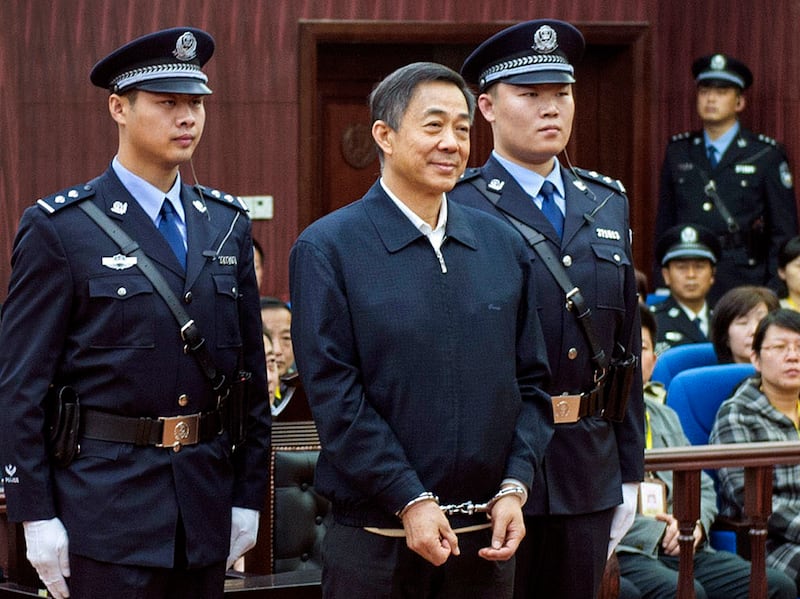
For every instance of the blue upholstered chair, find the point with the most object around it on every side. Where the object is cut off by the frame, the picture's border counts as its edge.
(696, 394)
(681, 357)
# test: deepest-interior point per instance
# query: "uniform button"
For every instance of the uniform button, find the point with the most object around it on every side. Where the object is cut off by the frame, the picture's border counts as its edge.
(744, 183)
(304, 486)
(233, 290)
(183, 400)
(122, 292)
(572, 353)
(707, 206)
(188, 297)
(566, 261)
(305, 557)
(617, 258)
(318, 520)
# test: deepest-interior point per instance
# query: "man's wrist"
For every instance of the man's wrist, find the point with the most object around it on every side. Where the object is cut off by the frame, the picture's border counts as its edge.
(424, 496)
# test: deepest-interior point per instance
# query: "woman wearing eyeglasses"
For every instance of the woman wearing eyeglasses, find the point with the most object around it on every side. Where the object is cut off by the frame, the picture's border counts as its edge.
(767, 408)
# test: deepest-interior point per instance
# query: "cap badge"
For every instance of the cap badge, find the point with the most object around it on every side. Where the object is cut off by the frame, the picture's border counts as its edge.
(718, 62)
(545, 40)
(186, 47)
(689, 235)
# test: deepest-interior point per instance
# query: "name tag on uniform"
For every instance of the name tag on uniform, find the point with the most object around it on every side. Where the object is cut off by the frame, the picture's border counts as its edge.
(119, 262)
(746, 169)
(228, 260)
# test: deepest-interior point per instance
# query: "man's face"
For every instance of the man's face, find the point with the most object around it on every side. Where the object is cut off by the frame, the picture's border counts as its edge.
(689, 279)
(428, 152)
(530, 123)
(278, 323)
(718, 105)
(158, 129)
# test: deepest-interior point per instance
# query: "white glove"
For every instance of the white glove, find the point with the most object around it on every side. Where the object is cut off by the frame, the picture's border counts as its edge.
(244, 531)
(623, 515)
(48, 551)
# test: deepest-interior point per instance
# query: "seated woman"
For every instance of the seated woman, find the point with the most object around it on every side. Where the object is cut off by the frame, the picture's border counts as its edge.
(734, 321)
(789, 272)
(765, 408)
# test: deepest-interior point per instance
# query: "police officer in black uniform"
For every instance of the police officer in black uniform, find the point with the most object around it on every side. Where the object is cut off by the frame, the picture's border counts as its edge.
(732, 181)
(688, 255)
(148, 498)
(524, 76)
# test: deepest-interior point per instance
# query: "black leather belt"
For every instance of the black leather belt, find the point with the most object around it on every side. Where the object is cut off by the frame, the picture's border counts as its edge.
(571, 408)
(172, 432)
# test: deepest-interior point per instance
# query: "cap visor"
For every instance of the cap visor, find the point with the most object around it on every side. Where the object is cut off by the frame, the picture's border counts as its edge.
(174, 86)
(535, 78)
(696, 254)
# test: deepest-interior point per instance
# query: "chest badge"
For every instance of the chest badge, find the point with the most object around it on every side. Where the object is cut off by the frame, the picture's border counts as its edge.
(119, 261)
(496, 184)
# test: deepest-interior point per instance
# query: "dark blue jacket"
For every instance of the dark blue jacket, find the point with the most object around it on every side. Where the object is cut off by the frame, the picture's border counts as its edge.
(71, 320)
(418, 380)
(586, 462)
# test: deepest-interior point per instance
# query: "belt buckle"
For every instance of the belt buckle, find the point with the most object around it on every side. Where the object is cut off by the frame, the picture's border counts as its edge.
(566, 408)
(179, 431)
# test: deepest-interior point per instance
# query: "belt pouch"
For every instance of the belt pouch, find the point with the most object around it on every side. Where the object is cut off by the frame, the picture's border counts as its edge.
(236, 406)
(617, 387)
(63, 425)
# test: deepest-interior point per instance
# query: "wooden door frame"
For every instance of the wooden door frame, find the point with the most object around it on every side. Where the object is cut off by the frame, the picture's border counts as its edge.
(313, 33)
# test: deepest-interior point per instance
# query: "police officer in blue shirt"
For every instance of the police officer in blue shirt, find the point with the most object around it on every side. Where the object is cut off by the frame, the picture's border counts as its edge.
(732, 181)
(688, 257)
(576, 511)
(149, 499)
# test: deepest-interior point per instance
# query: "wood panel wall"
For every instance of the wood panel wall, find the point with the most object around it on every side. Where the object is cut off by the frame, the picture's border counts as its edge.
(56, 132)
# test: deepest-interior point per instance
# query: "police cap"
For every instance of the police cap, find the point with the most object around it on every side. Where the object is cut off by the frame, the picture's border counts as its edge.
(687, 241)
(541, 51)
(722, 71)
(167, 61)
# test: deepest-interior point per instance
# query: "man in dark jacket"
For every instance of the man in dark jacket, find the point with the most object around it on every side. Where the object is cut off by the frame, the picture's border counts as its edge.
(416, 337)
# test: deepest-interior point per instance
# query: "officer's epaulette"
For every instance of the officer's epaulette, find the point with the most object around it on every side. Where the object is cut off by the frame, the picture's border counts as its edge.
(680, 136)
(65, 197)
(222, 197)
(614, 184)
(767, 139)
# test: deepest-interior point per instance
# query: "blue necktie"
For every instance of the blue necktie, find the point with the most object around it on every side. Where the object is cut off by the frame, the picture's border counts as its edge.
(712, 156)
(169, 229)
(550, 209)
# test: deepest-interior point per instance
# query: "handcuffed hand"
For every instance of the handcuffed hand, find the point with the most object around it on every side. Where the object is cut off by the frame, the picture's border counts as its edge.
(48, 552)
(428, 532)
(508, 529)
(244, 532)
(623, 515)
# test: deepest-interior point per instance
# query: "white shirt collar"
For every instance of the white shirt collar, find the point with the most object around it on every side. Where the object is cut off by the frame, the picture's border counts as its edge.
(436, 236)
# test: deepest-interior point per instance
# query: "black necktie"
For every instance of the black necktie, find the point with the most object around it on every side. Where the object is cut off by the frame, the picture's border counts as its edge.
(712, 156)
(698, 322)
(169, 229)
(550, 209)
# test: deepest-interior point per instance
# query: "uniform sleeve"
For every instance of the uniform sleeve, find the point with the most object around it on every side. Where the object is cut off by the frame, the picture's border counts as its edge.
(251, 460)
(630, 432)
(35, 318)
(355, 438)
(781, 210)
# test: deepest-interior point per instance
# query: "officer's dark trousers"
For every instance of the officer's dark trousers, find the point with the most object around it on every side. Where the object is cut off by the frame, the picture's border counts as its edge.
(91, 579)
(361, 565)
(563, 556)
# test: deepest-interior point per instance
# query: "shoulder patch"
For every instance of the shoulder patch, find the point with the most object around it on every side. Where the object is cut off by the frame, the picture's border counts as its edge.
(614, 184)
(66, 197)
(222, 197)
(680, 136)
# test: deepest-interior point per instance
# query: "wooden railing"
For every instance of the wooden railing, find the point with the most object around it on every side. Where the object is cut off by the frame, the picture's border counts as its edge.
(758, 460)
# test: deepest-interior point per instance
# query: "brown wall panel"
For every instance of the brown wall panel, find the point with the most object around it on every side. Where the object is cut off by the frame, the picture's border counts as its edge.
(56, 131)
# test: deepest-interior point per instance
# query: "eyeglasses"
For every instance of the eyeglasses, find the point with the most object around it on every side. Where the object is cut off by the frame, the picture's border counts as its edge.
(782, 349)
